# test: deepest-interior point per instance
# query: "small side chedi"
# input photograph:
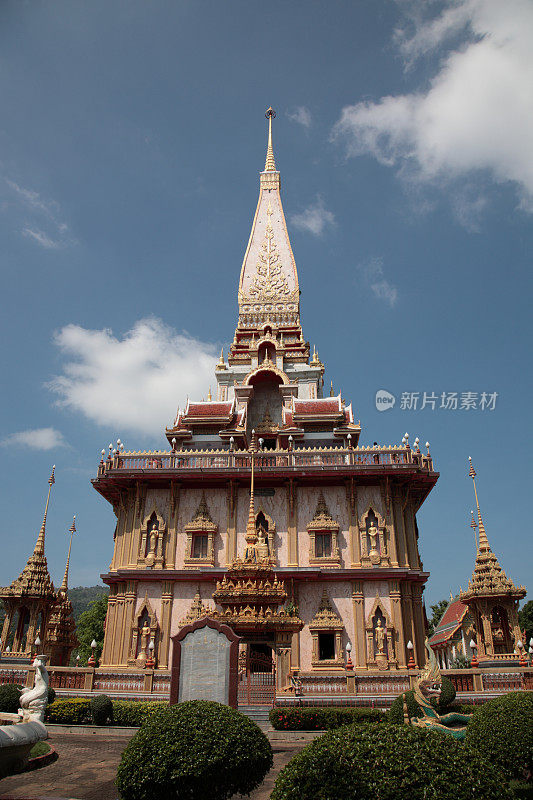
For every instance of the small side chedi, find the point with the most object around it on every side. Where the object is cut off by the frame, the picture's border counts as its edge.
(24, 729)
(427, 687)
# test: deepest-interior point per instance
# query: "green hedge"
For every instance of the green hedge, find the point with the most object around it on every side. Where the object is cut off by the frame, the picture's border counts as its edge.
(9, 697)
(129, 713)
(319, 719)
(74, 711)
(502, 730)
(388, 762)
(194, 751)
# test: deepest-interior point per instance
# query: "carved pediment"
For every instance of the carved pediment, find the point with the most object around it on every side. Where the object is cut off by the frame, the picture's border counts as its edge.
(326, 618)
(322, 520)
(201, 520)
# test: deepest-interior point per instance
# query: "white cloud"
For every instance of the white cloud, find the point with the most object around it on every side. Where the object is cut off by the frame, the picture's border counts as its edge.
(476, 117)
(41, 238)
(38, 439)
(133, 383)
(373, 276)
(301, 115)
(42, 214)
(314, 219)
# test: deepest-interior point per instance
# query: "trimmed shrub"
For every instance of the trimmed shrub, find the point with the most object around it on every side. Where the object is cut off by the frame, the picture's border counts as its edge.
(9, 698)
(447, 696)
(502, 730)
(196, 750)
(388, 762)
(130, 713)
(319, 719)
(73, 711)
(101, 709)
(443, 706)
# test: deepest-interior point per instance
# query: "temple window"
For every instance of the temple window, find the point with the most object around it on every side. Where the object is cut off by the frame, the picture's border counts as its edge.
(200, 543)
(322, 545)
(326, 646)
(326, 629)
(323, 536)
(201, 532)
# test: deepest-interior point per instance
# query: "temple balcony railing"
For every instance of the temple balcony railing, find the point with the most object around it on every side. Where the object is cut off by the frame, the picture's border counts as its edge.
(310, 458)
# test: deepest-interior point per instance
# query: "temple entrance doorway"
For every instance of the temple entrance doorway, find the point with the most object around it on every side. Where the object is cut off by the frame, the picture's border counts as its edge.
(257, 674)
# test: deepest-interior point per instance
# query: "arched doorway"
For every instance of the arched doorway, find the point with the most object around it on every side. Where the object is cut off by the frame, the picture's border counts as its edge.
(257, 674)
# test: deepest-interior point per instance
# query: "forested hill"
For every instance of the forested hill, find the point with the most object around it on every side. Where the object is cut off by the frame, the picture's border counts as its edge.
(81, 596)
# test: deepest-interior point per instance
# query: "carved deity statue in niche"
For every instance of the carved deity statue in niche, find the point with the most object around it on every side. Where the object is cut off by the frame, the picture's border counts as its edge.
(381, 637)
(144, 641)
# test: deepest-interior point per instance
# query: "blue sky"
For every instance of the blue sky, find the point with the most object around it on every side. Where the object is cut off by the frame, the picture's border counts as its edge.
(131, 138)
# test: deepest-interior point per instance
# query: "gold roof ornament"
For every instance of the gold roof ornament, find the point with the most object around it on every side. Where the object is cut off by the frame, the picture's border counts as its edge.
(202, 518)
(325, 617)
(221, 364)
(270, 164)
(64, 586)
(488, 578)
(196, 611)
(322, 519)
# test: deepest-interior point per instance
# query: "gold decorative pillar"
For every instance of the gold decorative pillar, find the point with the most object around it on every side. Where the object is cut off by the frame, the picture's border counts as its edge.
(135, 536)
(172, 535)
(167, 591)
(283, 659)
(292, 523)
(231, 539)
(401, 546)
(122, 512)
(410, 535)
(6, 626)
(397, 621)
(359, 624)
(129, 617)
(353, 524)
(389, 522)
(418, 621)
(110, 626)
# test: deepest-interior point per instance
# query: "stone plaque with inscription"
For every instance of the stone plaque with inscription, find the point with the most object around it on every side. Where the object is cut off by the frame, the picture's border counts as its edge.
(204, 663)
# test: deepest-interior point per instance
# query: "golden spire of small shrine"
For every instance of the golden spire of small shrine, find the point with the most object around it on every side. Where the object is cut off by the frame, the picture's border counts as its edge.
(484, 545)
(250, 553)
(331, 392)
(270, 164)
(473, 525)
(209, 396)
(39, 545)
(72, 530)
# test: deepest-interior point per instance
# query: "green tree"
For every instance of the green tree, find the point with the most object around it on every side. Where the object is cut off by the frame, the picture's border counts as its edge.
(525, 619)
(91, 626)
(437, 610)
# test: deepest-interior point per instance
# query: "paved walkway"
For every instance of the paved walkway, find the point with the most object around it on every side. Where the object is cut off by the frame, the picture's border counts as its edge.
(87, 766)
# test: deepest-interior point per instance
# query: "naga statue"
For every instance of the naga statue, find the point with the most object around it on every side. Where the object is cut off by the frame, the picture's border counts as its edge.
(428, 686)
(33, 701)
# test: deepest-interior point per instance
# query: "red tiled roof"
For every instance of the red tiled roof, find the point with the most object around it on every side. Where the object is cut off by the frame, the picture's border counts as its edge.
(326, 405)
(209, 409)
(449, 623)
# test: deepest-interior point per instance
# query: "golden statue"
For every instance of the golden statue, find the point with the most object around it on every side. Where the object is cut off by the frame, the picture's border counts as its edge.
(381, 637)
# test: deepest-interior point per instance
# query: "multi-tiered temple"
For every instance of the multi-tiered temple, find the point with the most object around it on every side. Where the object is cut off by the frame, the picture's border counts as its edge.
(325, 550)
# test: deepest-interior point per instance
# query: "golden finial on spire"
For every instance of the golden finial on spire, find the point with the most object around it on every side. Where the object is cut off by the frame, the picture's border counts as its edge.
(209, 397)
(72, 531)
(473, 525)
(270, 164)
(484, 545)
(331, 393)
(221, 364)
(39, 545)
